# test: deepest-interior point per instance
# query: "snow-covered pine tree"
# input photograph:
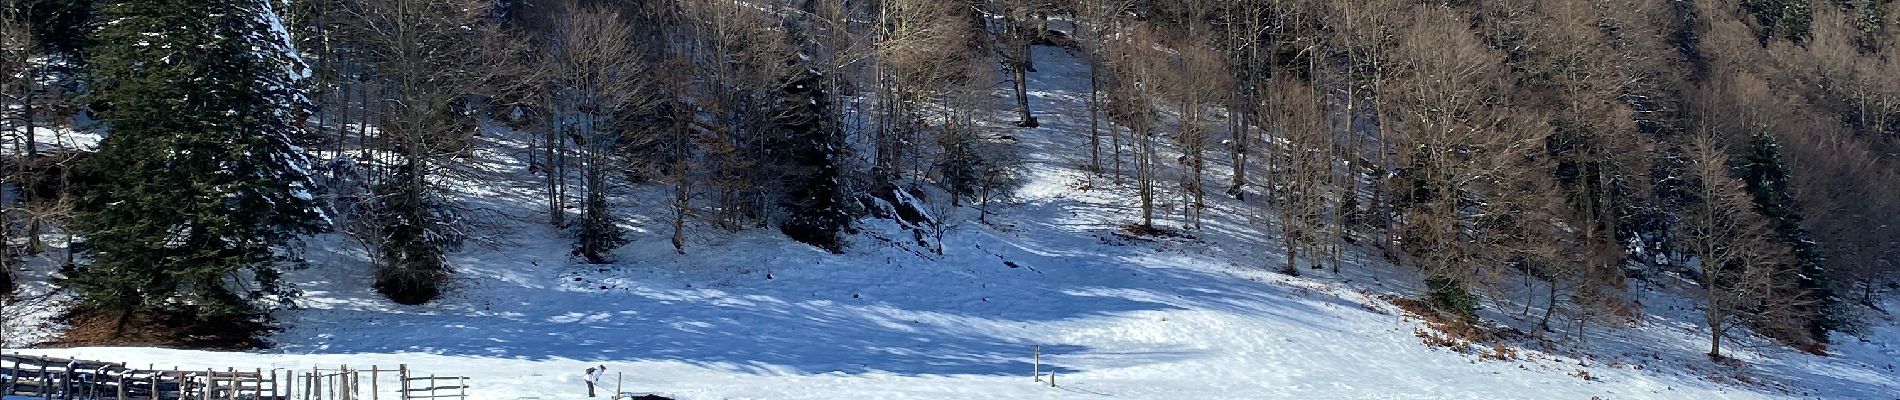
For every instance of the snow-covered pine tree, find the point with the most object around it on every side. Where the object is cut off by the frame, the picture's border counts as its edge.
(807, 150)
(196, 193)
(411, 263)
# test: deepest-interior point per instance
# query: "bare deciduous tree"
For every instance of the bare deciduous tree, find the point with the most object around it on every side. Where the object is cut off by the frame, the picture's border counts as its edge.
(422, 63)
(1464, 142)
(1200, 82)
(1299, 184)
(1139, 67)
(1737, 250)
(737, 57)
(600, 84)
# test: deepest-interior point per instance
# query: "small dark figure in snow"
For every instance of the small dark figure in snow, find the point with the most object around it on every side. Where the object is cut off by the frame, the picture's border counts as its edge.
(593, 378)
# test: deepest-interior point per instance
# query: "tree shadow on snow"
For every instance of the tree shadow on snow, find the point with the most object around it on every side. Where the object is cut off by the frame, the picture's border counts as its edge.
(967, 314)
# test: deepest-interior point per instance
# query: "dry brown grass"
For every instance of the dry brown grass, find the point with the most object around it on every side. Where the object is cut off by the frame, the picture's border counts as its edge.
(1456, 334)
(169, 330)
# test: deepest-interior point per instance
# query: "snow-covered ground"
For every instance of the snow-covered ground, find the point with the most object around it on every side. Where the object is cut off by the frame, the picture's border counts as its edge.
(753, 315)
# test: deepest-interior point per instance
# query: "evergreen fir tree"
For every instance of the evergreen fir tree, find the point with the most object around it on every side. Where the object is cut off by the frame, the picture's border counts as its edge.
(808, 148)
(1767, 176)
(598, 235)
(1788, 19)
(192, 200)
(411, 265)
(1450, 295)
(959, 168)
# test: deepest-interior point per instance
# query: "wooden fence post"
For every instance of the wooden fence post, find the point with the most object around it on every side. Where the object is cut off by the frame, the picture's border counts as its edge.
(12, 375)
(343, 375)
(372, 382)
(402, 370)
(66, 382)
(619, 378)
(122, 373)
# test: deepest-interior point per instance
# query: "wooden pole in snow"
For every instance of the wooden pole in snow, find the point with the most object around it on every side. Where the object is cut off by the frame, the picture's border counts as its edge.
(1036, 369)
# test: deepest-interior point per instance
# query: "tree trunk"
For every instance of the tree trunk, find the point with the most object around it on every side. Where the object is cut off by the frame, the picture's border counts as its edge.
(1146, 171)
(1550, 307)
(679, 216)
(26, 116)
(33, 244)
(1021, 76)
(1239, 131)
(1115, 140)
(1095, 127)
(1716, 316)
(1715, 341)
(1019, 65)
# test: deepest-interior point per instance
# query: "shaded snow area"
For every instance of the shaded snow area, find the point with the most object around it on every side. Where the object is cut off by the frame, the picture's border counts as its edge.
(752, 315)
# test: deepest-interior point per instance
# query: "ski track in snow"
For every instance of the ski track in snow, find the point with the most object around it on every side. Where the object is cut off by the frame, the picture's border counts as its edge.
(753, 315)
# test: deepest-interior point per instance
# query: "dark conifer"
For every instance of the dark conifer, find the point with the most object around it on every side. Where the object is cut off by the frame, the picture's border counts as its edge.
(1767, 177)
(808, 148)
(197, 189)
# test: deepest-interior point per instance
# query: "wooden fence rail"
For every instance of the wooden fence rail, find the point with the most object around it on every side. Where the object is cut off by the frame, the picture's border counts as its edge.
(51, 378)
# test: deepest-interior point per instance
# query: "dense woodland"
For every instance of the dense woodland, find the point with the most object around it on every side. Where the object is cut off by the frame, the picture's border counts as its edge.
(1752, 145)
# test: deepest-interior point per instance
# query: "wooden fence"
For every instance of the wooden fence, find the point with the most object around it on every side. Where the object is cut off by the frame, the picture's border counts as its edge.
(53, 378)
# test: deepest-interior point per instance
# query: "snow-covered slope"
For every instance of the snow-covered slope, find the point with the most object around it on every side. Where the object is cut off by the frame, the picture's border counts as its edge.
(753, 315)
